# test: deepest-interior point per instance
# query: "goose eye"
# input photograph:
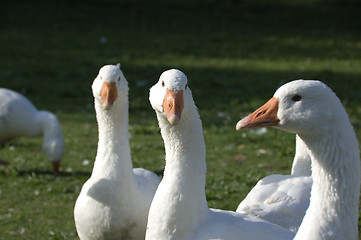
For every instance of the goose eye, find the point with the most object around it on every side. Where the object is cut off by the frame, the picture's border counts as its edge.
(296, 98)
(119, 79)
(163, 84)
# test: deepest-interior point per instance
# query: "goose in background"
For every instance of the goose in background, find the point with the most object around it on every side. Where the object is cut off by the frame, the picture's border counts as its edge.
(312, 110)
(179, 209)
(114, 202)
(20, 118)
(282, 199)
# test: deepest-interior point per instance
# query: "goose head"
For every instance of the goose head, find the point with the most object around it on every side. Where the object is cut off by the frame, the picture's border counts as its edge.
(53, 146)
(300, 106)
(170, 96)
(107, 86)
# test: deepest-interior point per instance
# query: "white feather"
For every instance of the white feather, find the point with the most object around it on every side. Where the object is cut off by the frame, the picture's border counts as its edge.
(20, 118)
(179, 209)
(115, 200)
(282, 199)
(312, 110)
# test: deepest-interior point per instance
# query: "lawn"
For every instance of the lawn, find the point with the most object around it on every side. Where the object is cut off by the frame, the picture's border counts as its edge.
(235, 54)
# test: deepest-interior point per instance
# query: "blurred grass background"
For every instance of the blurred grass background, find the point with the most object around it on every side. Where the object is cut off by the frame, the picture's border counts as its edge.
(236, 53)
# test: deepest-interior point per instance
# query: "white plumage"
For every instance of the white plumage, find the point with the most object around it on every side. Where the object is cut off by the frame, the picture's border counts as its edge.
(179, 209)
(311, 110)
(20, 118)
(115, 200)
(282, 199)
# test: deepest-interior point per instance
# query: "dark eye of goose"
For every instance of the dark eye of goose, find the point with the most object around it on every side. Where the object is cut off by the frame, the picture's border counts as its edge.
(163, 84)
(296, 98)
(119, 79)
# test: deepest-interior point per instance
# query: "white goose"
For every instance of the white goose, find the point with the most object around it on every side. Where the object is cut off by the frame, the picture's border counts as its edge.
(282, 199)
(115, 200)
(311, 110)
(19, 118)
(179, 209)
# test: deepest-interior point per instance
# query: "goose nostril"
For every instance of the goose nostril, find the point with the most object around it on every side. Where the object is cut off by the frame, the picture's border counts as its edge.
(260, 113)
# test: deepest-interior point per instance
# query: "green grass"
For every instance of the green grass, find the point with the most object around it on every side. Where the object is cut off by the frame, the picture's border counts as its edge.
(235, 54)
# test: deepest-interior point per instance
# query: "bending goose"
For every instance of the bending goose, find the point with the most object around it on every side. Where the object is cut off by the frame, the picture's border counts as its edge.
(20, 118)
(114, 202)
(311, 110)
(179, 209)
(282, 199)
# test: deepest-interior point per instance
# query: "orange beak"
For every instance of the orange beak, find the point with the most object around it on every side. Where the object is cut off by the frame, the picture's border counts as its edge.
(173, 105)
(264, 116)
(108, 94)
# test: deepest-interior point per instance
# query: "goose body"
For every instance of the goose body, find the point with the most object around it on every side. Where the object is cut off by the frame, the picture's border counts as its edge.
(20, 118)
(114, 202)
(282, 199)
(179, 209)
(312, 110)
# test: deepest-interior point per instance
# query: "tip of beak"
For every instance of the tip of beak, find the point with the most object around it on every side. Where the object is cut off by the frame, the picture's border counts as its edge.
(107, 106)
(242, 123)
(174, 119)
(56, 167)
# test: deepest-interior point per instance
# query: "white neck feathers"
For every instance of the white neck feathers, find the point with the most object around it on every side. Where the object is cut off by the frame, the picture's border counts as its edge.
(333, 211)
(113, 154)
(180, 199)
(301, 165)
(53, 142)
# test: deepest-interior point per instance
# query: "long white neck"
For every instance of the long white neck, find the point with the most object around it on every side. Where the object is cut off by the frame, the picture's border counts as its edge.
(53, 142)
(181, 194)
(333, 210)
(301, 165)
(113, 155)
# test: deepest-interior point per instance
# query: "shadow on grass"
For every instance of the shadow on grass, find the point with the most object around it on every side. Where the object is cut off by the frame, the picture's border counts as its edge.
(32, 172)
